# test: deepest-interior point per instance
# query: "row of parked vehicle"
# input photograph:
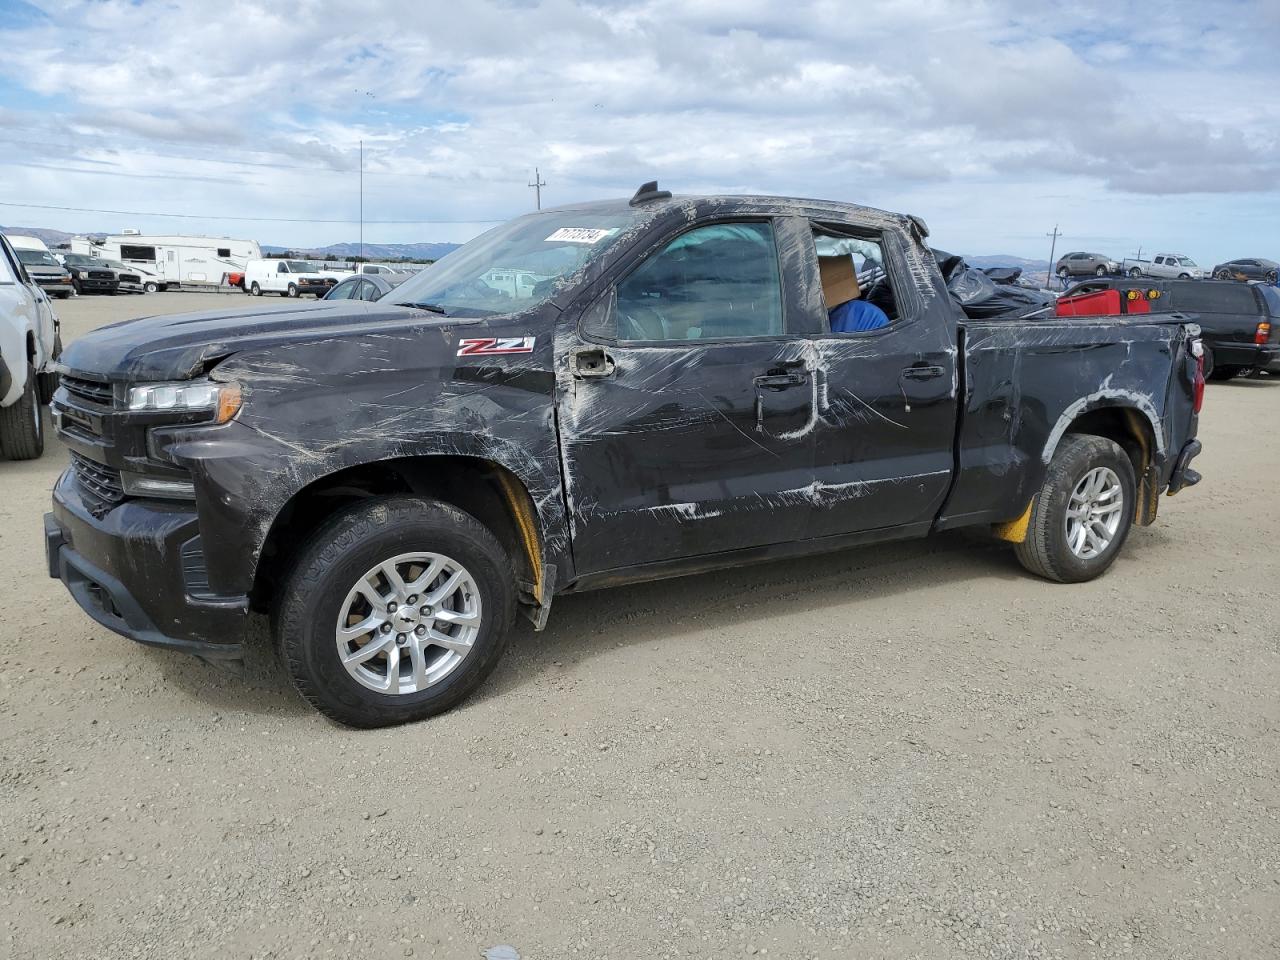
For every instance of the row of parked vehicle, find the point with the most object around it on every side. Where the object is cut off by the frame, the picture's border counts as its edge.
(1164, 266)
(295, 278)
(61, 274)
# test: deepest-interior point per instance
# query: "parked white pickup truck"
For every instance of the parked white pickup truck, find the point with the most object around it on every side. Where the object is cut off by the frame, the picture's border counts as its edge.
(1166, 266)
(29, 348)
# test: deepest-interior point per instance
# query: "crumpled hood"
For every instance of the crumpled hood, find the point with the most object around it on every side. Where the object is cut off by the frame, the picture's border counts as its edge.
(180, 346)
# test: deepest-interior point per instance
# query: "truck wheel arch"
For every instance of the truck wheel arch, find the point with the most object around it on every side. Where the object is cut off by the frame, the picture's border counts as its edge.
(1130, 419)
(491, 492)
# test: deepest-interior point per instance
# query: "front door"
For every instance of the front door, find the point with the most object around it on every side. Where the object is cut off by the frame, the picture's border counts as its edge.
(686, 406)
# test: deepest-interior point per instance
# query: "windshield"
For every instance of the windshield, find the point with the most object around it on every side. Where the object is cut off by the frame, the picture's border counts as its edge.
(37, 256)
(302, 266)
(517, 265)
(1185, 261)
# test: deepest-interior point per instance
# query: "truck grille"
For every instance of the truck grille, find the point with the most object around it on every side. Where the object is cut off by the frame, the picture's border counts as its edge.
(93, 391)
(101, 275)
(101, 484)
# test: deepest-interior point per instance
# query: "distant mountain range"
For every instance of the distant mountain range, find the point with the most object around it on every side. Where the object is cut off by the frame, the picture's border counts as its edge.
(1008, 260)
(51, 238)
(371, 251)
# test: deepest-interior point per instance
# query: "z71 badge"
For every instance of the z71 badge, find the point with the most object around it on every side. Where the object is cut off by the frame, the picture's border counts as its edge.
(489, 346)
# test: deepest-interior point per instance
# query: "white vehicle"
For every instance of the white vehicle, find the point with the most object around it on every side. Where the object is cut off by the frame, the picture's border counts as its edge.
(29, 347)
(1166, 266)
(148, 282)
(289, 278)
(194, 261)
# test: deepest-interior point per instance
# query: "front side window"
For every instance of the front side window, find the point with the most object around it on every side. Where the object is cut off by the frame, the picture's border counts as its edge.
(710, 283)
(281, 268)
(346, 290)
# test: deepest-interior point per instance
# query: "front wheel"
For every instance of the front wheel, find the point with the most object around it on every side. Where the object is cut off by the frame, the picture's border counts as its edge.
(1100, 272)
(1271, 277)
(1083, 512)
(293, 290)
(22, 423)
(1184, 276)
(396, 610)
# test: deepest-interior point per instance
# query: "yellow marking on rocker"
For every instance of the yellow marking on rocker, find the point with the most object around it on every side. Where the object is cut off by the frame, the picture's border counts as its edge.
(528, 531)
(1015, 531)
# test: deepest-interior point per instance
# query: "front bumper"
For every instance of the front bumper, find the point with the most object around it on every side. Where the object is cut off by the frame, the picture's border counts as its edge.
(137, 571)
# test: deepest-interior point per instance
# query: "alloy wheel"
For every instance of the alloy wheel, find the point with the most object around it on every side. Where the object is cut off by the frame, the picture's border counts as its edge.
(1094, 512)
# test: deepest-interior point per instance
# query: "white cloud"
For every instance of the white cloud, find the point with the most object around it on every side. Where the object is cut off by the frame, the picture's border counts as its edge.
(992, 118)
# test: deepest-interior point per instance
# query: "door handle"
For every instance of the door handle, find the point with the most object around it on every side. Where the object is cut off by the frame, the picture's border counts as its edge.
(922, 373)
(591, 363)
(780, 381)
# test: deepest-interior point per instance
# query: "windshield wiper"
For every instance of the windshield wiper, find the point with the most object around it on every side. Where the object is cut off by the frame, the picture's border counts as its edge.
(433, 307)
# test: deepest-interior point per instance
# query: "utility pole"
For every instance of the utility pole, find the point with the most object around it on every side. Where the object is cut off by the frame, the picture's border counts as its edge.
(1053, 247)
(360, 255)
(538, 184)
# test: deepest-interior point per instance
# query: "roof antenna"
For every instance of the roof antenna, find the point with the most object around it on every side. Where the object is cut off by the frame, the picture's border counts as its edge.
(649, 191)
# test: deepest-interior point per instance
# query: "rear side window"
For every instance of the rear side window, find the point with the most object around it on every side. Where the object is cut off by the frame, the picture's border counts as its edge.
(1214, 297)
(1271, 297)
(713, 282)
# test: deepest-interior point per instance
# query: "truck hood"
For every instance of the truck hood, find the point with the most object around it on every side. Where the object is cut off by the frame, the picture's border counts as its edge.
(180, 346)
(44, 270)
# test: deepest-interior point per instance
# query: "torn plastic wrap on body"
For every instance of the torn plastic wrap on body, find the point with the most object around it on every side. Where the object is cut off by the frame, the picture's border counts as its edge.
(982, 298)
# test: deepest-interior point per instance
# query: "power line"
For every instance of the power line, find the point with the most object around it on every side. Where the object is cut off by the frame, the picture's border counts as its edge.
(202, 216)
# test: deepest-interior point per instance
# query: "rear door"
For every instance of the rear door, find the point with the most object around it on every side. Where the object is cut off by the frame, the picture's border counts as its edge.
(686, 402)
(884, 435)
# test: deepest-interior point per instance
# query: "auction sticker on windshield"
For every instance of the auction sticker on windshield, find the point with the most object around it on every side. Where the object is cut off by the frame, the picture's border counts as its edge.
(578, 235)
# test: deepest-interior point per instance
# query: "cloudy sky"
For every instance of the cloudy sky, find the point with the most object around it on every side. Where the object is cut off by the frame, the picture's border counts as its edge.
(1127, 123)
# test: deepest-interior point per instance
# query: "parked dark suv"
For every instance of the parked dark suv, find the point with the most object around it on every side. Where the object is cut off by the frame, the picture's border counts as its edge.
(1240, 321)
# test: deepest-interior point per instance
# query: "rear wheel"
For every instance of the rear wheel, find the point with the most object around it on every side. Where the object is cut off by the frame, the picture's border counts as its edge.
(255, 290)
(1083, 512)
(1135, 272)
(22, 423)
(396, 610)
(1271, 276)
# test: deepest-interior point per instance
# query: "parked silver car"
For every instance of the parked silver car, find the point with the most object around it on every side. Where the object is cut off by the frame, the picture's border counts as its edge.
(1085, 265)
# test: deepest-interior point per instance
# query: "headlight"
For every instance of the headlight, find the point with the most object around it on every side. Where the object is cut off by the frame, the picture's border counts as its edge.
(220, 399)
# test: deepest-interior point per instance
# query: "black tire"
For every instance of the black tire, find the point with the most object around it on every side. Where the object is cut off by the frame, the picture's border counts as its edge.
(1063, 273)
(77, 287)
(337, 555)
(293, 290)
(1222, 275)
(1208, 362)
(151, 288)
(63, 294)
(47, 384)
(1184, 276)
(22, 423)
(1225, 373)
(1045, 551)
(255, 290)
(1134, 272)
(1271, 276)
(1100, 272)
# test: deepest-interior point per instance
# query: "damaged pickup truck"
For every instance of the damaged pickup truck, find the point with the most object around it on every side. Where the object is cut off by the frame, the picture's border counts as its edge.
(588, 396)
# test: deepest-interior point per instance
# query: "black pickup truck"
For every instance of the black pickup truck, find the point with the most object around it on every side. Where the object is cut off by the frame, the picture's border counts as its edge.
(587, 396)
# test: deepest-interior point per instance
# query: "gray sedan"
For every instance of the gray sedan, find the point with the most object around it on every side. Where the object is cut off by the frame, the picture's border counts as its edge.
(369, 286)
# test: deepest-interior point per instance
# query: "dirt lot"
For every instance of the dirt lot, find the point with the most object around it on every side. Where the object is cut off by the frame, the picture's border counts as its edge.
(906, 751)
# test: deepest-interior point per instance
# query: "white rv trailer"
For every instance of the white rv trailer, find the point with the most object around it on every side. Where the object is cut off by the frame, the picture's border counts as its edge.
(193, 261)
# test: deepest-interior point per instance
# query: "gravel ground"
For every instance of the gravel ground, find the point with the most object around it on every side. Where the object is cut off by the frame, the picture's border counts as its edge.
(911, 750)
